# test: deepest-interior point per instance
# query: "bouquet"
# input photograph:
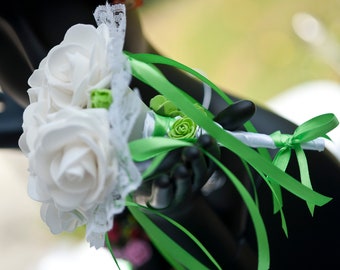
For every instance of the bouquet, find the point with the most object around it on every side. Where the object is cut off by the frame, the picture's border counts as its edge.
(85, 132)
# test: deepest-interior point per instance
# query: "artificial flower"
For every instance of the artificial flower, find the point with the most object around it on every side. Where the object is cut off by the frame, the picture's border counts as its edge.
(101, 98)
(72, 163)
(79, 163)
(183, 128)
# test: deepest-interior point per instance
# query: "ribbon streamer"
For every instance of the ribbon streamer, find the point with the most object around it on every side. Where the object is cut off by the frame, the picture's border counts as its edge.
(178, 257)
(151, 76)
(159, 145)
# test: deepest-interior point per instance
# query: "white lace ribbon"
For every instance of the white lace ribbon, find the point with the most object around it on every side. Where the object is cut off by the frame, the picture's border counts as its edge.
(125, 112)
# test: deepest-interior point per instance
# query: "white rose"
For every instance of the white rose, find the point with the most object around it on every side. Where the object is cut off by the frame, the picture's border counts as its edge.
(74, 67)
(72, 162)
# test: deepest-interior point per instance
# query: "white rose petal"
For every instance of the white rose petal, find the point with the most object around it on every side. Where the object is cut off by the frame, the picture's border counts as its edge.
(34, 117)
(59, 221)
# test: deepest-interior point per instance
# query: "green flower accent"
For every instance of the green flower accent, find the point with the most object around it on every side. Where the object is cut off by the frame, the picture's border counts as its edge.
(162, 106)
(183, 128)
(101, 98)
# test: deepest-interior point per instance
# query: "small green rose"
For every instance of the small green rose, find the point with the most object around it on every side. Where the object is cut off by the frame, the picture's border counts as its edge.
(101, 98)
(183, 128)
(162, 106)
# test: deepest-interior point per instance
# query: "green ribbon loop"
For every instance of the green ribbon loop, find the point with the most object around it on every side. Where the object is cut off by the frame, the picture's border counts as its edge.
(314, 128)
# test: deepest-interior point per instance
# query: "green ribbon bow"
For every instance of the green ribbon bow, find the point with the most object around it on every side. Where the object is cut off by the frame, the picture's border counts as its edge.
(314, 128)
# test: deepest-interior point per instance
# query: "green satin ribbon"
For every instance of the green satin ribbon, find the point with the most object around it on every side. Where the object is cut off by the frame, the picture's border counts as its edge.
(148, 148)
(178, 257)
(162, 124)
(144, 70)
(108, 245)
(314, 128)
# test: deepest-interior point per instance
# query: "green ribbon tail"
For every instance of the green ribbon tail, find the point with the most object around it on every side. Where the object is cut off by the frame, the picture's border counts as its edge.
(281, 161)
(304, 174)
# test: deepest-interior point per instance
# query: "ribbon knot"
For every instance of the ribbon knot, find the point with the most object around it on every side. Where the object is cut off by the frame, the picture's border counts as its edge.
(283, 140)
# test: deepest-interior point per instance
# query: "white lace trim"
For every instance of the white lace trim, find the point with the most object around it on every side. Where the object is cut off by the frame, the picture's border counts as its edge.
(124, 112)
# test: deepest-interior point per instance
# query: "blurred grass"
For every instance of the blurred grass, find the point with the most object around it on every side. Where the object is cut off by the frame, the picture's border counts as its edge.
(247, 47)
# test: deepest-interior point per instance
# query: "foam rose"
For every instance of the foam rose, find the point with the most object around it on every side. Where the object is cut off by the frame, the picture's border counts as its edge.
(72, 162)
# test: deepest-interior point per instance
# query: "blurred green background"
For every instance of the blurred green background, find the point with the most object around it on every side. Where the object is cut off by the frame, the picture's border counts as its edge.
(247, 47)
